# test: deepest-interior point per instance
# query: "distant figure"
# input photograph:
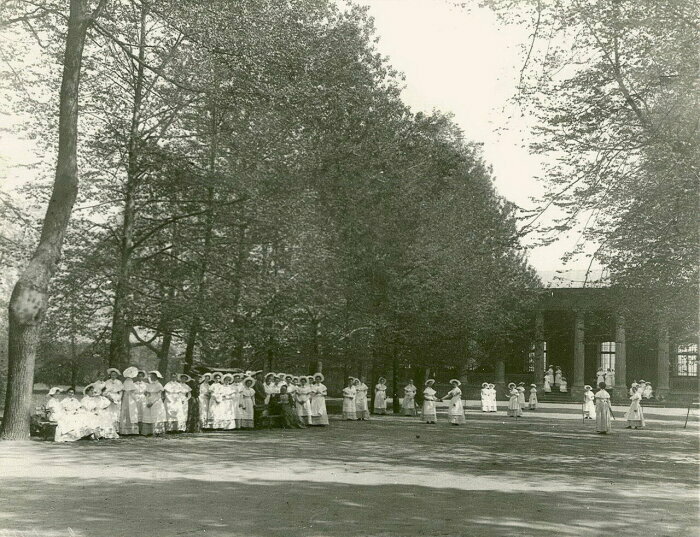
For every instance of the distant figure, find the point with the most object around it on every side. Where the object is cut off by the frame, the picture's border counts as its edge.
(609, 378)
(563, 385)
(588, 406)
(361, 406)
(456, 411)
(380, 396)
(349, 411)
(648, 393)
(557, 377)
(549, 376)
(532, 401)
(602, 409)
(493, 403)
(521, 394)
(599, 376)
(514, 409)
(485, 397)
(635, 415)
(547, 384)
(429, 398)
(408, 404)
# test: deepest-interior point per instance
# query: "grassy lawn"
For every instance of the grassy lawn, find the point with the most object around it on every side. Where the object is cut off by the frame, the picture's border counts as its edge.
(389, 476)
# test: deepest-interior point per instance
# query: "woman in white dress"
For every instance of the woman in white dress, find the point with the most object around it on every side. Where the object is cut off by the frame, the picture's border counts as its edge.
(302, 398)
(141, 382)
(485, 396)
(547, 385)
(246, 404)
(72, 424)
(380, 396)
(349, 409)
(514, 409)
(153, 420)
(588, 405)
(236, 387)
(429, 398)
(319, 414)
(113, 389)
(563, 385)
(269, 387)
(493, 403)
(129, 416)
(226, 416)
(599, 376)
(361, 406)
(521, 395)
(204, 394)
(635, 414)
(218, 418)
(173, 403)
(455, 413)
(98, 414)
(53, 406)
(185, 396)
(602, 410)
(532, 400)
(557, 377)
(408, 403)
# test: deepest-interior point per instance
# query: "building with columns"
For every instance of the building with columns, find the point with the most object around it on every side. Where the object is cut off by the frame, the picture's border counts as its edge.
(582, 329)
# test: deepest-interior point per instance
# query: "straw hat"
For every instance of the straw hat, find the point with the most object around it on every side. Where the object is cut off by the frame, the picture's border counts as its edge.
(130, 372)
(320, 377)
(227, 376)
(511, 384)
(187, 377)
(533, 385)
(268, 375)
(156, 373)
(86, 388)
(492, 385)
(55, 390)
(430, 382)
(249, 379)
(484, 384)
(113, 370)
(452, 381)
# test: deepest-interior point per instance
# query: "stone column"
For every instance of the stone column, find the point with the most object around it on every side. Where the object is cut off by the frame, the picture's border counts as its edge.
(539, 349)
(579, 354)
(662, 385)
(620, 387)
(500, 372)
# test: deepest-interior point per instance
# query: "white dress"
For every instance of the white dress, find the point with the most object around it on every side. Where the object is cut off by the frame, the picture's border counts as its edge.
(319, 414)
(408, 404)
(140, 396)
(173, 405)
(129, 415)
(455, 413)
(204, 393)
(153, 418)
(349, 412)
(429, 413)
(72, 424)
(485, 403)
(493, 403)
(219, 417)
(532, 401)
(380, 399)
(361, 406)
(100, 416)
(113, 392)
(303, 404)
(246, 404)
(588, 404)
(635, 414)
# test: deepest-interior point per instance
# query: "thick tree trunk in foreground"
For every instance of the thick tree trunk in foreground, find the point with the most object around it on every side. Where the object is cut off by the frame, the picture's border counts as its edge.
(30, 294)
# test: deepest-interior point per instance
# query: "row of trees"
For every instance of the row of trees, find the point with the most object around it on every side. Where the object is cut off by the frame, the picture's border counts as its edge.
(254, 193)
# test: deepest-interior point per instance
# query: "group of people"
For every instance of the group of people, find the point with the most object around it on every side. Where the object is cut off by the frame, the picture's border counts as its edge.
(516, 399)
(139, 404)
(554, 379)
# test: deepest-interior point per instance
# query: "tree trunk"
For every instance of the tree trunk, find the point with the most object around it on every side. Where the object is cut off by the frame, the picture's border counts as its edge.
(164, 354)
(30, 294)
(119, 347)
(189, 348)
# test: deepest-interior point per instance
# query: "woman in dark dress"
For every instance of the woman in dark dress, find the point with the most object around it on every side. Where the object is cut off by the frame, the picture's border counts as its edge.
(282, 404)
(193, 422)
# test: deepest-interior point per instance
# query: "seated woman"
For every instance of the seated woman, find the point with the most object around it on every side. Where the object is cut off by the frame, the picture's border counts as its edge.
(72, 424)
(53, 405)
(283, 405)
(563, 385)
(98, 415)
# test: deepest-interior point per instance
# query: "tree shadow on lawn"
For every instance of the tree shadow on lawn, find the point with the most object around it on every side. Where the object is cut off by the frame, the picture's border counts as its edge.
(93, 507)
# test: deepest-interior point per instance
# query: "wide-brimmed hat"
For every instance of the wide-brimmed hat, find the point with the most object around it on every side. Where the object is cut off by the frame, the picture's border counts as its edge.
(268, 375)
(205, 376)
(303, 377)
(130, 372)
(238, 375)
(113, 370)
(246, 379)
(319, 376)
(587, 387)
(492, 385)
(86, 388)
(187, 377)
(511, 384)
(217, 373)
(382, 379)
(533, 385)
(145, 373)
(156, 373)
(55, 390)
(429, 381)
(484, 384)
(227, 376)
(452, 381)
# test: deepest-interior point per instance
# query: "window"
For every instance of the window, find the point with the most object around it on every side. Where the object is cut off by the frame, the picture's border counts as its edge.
(687, 360)
(606, 359)
(531, 357)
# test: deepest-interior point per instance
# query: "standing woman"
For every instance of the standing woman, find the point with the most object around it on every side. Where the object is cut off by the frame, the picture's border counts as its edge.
(113, 389)
(185, 397)
(456, 411)
(485, 397)
(557, 377)
(493, 403)
(246, 404)
(228, 413)
(408, 403)
(269, 387)
(194, 419)
(236, 388)
(635, 415)
(588, 405)
(173, 403)
(361, 406)
(349, 409)
(153, 410)
(380, 396)
(204, 393)
(532, 401)
(602, 410)
(319, 414)
(429, 398)
(141, 384)
(514, 409)
(521, 395)
(129, 416)
(303, 401)
(217, 413)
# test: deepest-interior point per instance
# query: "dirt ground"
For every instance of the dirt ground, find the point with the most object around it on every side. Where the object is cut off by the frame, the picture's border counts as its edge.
(547, 474)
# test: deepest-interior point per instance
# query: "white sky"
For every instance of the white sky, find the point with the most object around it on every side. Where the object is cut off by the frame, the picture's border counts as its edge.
(455, 60)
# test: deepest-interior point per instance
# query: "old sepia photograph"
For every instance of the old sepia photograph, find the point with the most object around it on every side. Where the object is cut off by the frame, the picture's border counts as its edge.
(349, 268)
